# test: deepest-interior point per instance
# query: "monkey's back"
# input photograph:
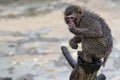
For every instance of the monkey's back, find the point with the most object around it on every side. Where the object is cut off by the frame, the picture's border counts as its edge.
(100, 47)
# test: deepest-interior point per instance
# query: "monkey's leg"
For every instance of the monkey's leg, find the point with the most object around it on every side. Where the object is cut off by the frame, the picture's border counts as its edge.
(78, 73)
(85, 56)
(73, 75)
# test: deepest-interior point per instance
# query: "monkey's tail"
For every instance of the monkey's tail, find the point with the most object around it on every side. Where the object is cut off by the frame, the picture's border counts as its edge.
(67, 55)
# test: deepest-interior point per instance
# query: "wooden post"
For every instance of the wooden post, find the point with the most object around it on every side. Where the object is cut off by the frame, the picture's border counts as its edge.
(81, 69)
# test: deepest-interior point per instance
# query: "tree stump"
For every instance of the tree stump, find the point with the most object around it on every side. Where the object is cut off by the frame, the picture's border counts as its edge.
(83, 70)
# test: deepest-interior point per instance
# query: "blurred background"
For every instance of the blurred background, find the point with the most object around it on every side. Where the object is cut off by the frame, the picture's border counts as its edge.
(32, 32)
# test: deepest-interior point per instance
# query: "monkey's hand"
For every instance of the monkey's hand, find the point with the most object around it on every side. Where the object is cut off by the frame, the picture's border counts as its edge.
(72, 28)
(76, 30)
(73, 44)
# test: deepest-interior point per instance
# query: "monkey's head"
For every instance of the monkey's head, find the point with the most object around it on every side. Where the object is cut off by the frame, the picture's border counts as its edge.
(72, 15)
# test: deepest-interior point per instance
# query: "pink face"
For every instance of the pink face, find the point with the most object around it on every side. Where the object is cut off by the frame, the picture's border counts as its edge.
(70, 20)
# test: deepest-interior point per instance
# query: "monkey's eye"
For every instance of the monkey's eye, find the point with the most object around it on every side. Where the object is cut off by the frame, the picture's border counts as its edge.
(66, 18)
(72, 17)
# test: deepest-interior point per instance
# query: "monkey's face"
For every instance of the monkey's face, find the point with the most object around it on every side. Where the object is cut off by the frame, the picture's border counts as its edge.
(72, 15)
(71, 20)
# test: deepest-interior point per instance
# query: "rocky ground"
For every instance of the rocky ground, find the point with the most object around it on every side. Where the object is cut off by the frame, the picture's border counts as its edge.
(32, 32)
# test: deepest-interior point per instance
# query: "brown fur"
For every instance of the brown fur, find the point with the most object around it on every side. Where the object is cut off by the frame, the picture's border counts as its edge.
(92, 31)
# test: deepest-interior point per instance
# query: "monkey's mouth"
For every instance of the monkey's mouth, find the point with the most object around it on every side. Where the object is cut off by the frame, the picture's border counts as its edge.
(71, 23)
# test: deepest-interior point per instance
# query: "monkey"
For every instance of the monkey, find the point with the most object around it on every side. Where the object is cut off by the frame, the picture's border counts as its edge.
(91, 31)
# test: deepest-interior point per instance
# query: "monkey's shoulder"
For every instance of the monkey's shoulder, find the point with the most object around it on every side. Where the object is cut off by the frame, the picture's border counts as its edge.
(91, 19)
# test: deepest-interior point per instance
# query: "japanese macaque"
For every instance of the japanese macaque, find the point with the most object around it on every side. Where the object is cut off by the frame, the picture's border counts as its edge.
(92, 31)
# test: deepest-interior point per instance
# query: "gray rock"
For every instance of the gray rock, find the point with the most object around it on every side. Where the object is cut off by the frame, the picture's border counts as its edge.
(25, 77)
(6, 49)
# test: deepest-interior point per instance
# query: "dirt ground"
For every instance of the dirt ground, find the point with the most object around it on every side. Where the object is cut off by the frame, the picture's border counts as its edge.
(31, 36)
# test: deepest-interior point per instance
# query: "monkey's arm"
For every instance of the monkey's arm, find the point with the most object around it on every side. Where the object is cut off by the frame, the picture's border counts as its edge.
(89, 33)
(74, 42)
(93, 30)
